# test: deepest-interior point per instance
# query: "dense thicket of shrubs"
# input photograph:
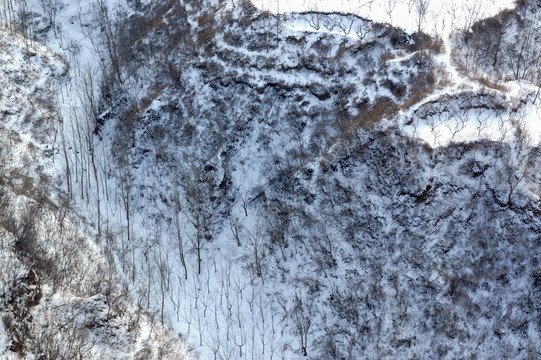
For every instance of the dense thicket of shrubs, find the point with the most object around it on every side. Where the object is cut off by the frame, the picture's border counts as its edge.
(502, 47)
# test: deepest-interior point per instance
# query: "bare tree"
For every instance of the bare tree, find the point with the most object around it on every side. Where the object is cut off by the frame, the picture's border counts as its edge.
(345, 24)
(302, 316)
(472, 12)
(256, 249)
(516, 159)
(389, 8)
(198, 189)
(481, 121)
(51, 8)
(179, 238)
(421, 8)
(236, 229)
(523, 57)
(434, 125)
(314, 18)
(363, 29)
(457, 122)
(90, 107)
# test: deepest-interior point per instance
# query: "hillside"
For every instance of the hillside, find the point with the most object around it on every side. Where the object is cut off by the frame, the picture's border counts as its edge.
(60, 294)
(303, 185)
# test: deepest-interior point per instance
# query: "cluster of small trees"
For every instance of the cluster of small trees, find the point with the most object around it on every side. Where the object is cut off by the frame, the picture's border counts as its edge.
(18, 16)
(14, 15)
(492, 48)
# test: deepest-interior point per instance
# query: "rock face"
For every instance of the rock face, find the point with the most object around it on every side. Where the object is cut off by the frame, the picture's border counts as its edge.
(262, 185)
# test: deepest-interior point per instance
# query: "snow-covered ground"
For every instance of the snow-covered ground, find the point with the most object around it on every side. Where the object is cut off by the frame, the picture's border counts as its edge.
(442, 16)
(60, 311)
(228, 310)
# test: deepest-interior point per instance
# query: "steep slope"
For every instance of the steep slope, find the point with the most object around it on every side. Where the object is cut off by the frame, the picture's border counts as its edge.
(60, 297)
(261, 185)
(285, 212)
(414, 252)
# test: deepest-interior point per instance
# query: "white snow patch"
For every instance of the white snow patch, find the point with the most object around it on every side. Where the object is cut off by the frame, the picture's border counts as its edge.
(442, 17)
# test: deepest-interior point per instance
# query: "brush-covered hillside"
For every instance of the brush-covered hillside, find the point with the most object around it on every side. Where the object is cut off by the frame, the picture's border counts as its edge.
(204, 179)
(60, 295)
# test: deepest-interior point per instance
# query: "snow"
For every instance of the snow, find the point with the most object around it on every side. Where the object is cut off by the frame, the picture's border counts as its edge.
(442, 19)
(443, 16)
(228, 285)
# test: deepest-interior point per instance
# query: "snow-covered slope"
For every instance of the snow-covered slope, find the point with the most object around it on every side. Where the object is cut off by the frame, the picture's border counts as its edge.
(60, 296)
(307, 185)
(267, 173)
